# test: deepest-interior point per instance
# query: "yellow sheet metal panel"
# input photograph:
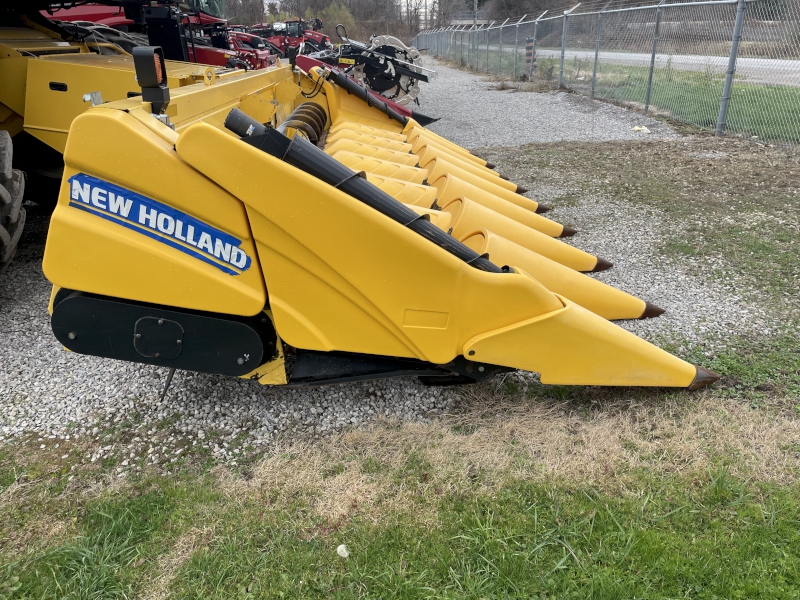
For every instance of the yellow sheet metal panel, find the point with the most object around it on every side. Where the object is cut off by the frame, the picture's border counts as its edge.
(414, 131)
(402, 158)
(397, 158)
(341, 276)
(441, 219)
(573, 346)
(405, 191)
(376, 119)
(142, 249)
(469, 217)
(421, 142)
(13, 73)
(429, 151)
(346, 107)
(212, 104)
(259, 106)
(49, 112)
(439, 167)
(367, 130)
(450, 165)
(381, 167)
(604, 300)
(451, 187)
(365, 138)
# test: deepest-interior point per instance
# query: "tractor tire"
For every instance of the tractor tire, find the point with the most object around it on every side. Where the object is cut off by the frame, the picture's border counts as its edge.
(12, 215)
(6, 154)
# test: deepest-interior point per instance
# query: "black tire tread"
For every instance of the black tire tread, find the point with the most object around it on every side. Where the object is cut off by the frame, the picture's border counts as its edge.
(6, 154)
(12, 191)
(11, 196)
(13, 231)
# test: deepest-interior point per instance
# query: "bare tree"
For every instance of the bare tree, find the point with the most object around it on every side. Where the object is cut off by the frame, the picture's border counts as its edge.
(245, 12)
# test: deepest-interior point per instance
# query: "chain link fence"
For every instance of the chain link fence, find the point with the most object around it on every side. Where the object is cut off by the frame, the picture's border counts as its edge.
(725, 65)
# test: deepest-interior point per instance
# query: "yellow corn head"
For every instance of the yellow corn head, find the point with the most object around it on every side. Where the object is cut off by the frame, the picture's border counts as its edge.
(225, 225)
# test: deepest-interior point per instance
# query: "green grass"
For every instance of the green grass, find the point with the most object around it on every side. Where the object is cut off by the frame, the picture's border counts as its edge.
(652, 532)
(100, 563)
(756, 370)
(708, 535)
(769, 254)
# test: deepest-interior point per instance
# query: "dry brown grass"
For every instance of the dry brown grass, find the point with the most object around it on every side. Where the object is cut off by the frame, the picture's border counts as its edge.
(499, 440)
(170, 563)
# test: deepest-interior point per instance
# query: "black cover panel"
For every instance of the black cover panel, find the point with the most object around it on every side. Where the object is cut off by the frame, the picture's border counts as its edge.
(209, 343)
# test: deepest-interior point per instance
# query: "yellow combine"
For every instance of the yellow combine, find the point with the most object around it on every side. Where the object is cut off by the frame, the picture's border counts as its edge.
(286, 227)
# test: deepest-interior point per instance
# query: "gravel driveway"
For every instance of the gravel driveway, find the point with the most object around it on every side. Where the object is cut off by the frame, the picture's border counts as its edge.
(49, 395)
(475, 115)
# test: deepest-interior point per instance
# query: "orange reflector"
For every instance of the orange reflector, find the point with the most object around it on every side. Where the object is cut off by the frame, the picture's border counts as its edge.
(159, 72)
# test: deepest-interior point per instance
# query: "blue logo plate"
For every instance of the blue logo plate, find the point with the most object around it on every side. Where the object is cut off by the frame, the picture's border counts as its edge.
(159, 222)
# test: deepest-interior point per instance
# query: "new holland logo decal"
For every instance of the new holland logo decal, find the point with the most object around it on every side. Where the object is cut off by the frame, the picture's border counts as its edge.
(159, 222)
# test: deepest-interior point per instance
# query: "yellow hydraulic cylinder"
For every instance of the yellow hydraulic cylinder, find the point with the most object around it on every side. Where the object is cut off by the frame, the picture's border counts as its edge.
(372, 140)
(439, 167)
(401, 158)
(351, 127)
(469, 217)
(429, 152)
(604, 300)
(451, 187)
(381, 167)
(421, 142)
(574, 346)
(405, 191)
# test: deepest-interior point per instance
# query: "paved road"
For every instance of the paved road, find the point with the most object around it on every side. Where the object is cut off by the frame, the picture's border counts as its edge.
(768, 71)
(754, 70)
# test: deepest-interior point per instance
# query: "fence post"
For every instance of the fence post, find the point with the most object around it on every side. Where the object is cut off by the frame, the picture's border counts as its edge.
(597, 45)
(487, 45)
(475, 46)
(533, 48)
(563, 48)
(516, 44)
(500, 67)
(724, 102)
(653, 57)
(500, 56)
(564, 45)
(474, 41)
(469, 44)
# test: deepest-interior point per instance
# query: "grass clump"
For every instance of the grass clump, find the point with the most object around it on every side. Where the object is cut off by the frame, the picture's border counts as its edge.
(101, 562)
